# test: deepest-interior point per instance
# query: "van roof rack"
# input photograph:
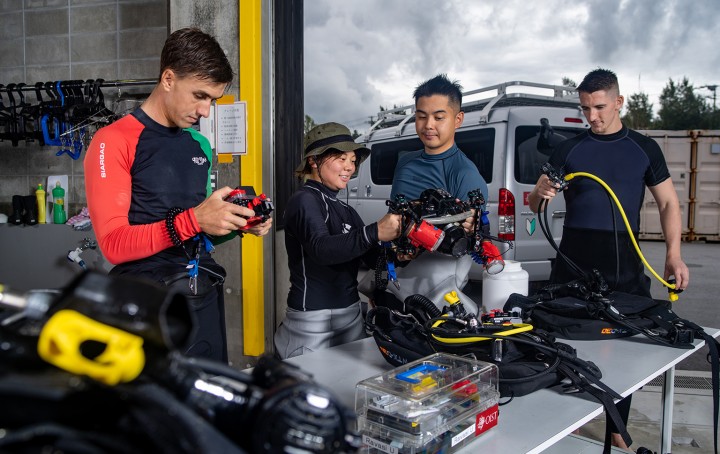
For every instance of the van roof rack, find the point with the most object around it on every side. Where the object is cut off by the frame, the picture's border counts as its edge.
(563, 96)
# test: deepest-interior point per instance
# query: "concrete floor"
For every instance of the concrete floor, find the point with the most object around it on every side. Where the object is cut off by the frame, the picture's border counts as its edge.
(692, 417)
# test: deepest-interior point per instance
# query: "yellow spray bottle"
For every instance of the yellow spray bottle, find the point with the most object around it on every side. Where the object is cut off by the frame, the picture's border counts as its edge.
(41, 204)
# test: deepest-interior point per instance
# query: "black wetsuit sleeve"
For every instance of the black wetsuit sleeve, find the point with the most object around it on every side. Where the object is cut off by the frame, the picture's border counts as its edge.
(325, 240)
(657, 171)
(370, 256)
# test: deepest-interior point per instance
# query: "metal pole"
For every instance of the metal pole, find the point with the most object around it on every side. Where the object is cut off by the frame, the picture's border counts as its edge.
(668, 394)
(712, 120)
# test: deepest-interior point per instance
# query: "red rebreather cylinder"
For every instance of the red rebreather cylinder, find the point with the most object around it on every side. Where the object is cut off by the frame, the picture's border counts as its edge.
(425, 235)
(492, 259)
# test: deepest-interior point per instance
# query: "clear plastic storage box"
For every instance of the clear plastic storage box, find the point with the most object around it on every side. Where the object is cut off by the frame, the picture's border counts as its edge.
(435, 404)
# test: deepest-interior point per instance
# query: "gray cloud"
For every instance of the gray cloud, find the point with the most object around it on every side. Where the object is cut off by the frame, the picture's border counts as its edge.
(361, 54)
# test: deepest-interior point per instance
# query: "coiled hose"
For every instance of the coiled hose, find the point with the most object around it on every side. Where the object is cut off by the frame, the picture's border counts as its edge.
(422, 302)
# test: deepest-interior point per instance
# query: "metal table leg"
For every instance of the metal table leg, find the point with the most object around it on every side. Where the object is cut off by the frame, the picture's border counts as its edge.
(668, 394)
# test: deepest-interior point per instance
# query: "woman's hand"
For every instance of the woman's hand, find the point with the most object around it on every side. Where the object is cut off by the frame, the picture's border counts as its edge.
(389, 227)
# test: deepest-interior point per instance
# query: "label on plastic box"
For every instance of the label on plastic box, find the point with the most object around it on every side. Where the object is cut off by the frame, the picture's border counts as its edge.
(486, 420)
(469, 432)
(379, 445)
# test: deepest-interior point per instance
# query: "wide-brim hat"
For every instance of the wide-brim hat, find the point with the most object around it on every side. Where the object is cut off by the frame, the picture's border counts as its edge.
(328, 136)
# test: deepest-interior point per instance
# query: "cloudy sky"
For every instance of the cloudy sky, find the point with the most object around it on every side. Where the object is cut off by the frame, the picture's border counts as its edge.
(361, 54)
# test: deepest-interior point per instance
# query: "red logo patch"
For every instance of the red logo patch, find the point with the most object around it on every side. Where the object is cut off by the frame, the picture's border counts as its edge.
(486, 420)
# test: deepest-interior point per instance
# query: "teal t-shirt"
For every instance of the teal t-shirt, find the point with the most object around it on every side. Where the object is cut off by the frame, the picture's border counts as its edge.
(451, 170)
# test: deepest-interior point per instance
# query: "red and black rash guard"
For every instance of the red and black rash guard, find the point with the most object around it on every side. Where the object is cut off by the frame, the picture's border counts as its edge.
(135, 171)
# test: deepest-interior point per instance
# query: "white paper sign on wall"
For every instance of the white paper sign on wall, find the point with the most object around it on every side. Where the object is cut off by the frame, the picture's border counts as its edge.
(231, 128)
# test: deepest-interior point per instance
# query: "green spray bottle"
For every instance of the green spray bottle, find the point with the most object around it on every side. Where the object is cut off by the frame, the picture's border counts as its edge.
(59, 215)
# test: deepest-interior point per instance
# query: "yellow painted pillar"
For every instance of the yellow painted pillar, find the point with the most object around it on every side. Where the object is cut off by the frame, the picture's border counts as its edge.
(250, 90)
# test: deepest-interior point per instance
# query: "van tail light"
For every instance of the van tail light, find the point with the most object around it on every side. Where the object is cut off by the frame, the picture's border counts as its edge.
(506, 215)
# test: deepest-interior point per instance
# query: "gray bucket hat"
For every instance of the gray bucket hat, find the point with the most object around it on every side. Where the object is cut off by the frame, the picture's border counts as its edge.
(330, 135)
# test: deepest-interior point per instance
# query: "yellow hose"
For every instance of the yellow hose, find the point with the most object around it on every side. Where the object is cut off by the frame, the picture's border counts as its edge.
(570, 176)
(519, 328)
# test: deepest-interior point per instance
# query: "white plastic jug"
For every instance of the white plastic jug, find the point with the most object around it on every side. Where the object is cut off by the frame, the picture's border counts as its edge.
(498, 287)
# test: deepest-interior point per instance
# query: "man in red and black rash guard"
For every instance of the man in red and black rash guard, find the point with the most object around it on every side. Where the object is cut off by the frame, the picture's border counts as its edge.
(148, 187)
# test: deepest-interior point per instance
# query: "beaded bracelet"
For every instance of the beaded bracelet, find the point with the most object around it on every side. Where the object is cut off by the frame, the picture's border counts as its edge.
(170, 225)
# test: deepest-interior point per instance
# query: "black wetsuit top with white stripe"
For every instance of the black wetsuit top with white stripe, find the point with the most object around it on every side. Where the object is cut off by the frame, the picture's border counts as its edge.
(326, 241)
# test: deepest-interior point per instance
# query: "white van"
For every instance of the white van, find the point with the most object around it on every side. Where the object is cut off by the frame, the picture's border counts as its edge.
(508, 134)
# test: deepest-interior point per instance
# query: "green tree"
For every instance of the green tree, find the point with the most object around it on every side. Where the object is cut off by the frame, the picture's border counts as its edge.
(309, 124)
(681, 108)
(714, 121)
(568, 82)
(395, 106)
(638, 112)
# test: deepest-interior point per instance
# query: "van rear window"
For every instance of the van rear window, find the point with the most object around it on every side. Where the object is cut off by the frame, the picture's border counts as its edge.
(478, 145)
(528, 158)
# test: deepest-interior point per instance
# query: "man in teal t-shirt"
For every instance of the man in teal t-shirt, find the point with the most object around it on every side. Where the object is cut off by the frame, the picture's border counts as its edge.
(441, 164)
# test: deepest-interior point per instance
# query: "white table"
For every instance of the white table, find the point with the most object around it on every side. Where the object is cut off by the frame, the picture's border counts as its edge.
(532, 423)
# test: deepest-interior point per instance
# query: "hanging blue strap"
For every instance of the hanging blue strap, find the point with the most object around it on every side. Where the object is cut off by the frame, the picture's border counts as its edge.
(484, 217)
(392, 274)
(203, 240)
(53, 140)
(58, 88)
(192, 268)
(209, 247)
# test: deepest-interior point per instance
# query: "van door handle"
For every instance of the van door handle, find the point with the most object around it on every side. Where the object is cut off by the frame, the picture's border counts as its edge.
(368, 191)
(354, 189)
(558, 214)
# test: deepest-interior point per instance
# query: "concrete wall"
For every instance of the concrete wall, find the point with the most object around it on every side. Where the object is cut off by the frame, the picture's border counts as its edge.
(49, 40)
(216, 17)
(43, 40)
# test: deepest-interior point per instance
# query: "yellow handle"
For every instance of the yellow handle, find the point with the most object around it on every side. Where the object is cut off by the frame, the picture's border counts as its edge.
(518, 328)
(451, 297)
(61, 340)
